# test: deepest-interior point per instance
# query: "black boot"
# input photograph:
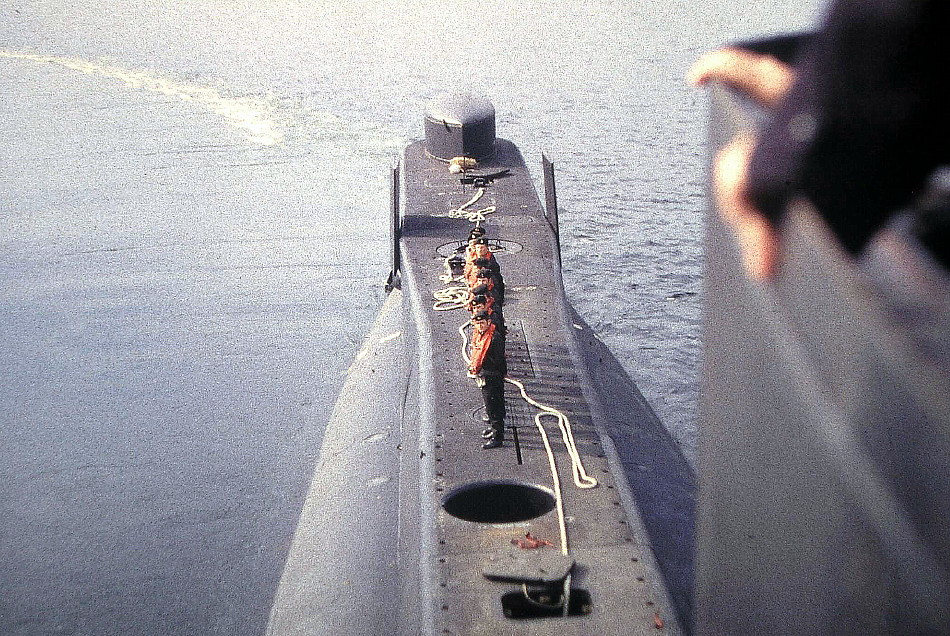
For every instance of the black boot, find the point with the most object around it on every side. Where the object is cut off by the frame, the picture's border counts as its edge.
(496, 437)
(492, 442)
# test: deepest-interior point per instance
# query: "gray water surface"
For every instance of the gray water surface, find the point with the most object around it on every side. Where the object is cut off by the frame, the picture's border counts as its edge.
(194, 204)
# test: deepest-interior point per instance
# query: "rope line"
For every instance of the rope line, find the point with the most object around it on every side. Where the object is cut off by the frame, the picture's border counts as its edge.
(473, 216)
(558, 496)
(478, 195)
(449, 298)
(581, 479)
(452, 296)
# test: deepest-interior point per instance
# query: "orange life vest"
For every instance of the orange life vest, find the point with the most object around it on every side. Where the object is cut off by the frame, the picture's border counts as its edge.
(479, 347)
(471, 270)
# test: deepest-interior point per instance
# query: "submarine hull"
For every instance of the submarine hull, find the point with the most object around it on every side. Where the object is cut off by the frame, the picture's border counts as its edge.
(411, 527)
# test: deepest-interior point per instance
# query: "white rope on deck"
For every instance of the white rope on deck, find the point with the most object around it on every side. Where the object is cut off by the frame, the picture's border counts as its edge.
(581, 478)
(473, 216)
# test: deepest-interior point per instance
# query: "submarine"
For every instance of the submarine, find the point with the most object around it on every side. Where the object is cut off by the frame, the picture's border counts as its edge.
(580, 523)
(823, 464)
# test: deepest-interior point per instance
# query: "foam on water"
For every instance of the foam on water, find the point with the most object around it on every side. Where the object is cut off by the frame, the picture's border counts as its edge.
(254, 116)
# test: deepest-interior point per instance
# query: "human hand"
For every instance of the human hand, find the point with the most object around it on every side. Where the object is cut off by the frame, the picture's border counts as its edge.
(762, 77)
(757, 237)
(766, 80)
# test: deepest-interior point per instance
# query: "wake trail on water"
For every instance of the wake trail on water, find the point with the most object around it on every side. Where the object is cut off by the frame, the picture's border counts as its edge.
(247, 114)
(257, 116)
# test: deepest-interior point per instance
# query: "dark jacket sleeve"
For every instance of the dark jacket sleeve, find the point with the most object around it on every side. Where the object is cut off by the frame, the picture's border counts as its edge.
(495, 362)
(863, 126)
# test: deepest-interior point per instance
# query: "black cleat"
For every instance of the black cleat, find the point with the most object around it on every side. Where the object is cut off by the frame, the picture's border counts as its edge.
(488, 433)
(493, 442)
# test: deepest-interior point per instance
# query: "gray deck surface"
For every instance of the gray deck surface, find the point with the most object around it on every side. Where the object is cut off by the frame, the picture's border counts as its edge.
(614, 560)
(375, 552)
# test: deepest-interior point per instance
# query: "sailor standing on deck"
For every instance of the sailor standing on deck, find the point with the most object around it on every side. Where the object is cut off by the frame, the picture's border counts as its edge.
(476, 233)
(485, 302)
(494, 282)
(489, 368)
(477, 258)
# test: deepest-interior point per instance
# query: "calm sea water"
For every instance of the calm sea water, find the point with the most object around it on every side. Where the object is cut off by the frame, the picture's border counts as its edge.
(302, 106)
(596, 85)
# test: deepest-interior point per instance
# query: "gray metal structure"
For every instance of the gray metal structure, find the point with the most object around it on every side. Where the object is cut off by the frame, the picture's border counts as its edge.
(395, 255)
(411, 527)
(460, 125)
(550, 200)
(824, 458)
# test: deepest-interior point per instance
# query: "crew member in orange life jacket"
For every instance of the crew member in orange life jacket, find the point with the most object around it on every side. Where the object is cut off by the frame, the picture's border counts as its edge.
(472, 269)
(481, 302)
(489, 367)
(479, 251)
(478, 301)
(494, 282)
(476, 233)
(480, 298)
(473, 237)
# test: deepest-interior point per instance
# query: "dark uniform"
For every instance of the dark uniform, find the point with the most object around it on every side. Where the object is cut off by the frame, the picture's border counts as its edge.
(487, 352)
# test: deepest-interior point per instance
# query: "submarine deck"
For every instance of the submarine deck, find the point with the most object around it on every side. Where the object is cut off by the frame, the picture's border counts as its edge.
(614, 562)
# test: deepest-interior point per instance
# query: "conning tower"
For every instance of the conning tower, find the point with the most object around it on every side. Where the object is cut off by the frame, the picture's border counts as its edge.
(460, 125)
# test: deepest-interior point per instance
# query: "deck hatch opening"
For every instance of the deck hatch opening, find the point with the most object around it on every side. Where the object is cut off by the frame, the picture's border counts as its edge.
(543, 603)
(498, 502)
(498, 247)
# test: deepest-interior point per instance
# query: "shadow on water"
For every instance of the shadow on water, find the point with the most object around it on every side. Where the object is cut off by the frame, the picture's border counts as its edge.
(660, 477)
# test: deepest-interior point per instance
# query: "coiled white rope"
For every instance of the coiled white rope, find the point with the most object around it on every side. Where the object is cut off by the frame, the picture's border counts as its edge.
(474, 216)
(452, 296)
(448, 298)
